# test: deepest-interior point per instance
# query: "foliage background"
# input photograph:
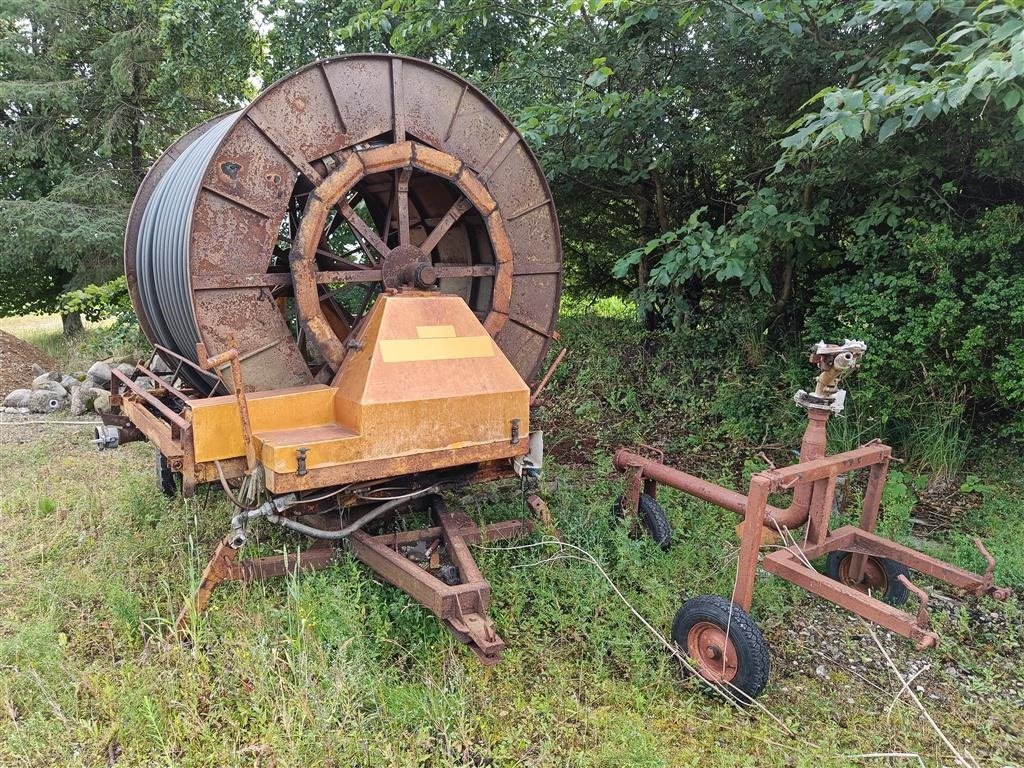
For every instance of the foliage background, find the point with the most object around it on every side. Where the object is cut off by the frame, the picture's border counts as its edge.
(767, 173)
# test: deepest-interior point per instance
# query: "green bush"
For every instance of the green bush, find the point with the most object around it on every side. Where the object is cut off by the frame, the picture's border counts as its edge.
(942, 313)
(98, 302)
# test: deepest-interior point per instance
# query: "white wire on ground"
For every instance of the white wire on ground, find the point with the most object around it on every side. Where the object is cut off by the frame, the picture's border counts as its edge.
(727, 691)
(6, 423)
(960, 757)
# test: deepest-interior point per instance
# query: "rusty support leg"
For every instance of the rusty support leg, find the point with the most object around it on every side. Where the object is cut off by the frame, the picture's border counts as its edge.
(629, 507)
(869, 514)
(750, 542)
(790, 566)
(216, 571)
(820, 514)
(462, 607)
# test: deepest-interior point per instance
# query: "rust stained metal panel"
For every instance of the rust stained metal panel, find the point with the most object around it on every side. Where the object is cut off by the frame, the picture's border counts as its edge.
(534, 234)
(477, 130)
(362, 89)
(229, 239)
(523, 346)
(248, 166)
(267, 352)
(431, 98)
(535, 300)
(394, 467)
(301, 112)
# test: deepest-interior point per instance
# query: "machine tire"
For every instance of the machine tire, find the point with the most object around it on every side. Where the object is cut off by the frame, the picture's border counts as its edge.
(704, 621)
(883, 576)
(165, 477)
(653, 517)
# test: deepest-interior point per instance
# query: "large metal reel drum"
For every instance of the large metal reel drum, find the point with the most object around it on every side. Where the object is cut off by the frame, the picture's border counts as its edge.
(331, 180)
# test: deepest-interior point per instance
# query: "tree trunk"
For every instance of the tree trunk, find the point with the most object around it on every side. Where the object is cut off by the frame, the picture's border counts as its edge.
(72, 323)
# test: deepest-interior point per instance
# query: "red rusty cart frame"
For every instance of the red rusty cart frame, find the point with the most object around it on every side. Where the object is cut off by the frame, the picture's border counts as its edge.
(813, 482)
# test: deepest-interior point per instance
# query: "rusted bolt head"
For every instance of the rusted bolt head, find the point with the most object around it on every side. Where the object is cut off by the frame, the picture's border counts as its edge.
(424, 275)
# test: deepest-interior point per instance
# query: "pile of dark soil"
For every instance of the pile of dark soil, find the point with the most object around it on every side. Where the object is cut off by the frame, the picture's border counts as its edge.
(16, 358)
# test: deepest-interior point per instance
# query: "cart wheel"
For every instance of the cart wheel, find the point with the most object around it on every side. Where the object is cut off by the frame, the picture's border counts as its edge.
(881, 576)
(165, 476)
(726, 649)
(654, 519)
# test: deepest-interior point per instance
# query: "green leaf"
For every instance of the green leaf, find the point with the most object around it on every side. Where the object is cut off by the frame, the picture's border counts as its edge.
(888, 128)
(924, 11)
(795, 29)
(852, 126)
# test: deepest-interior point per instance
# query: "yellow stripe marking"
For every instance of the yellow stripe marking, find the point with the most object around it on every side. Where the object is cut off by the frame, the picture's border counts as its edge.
(417, 350)
(435, 331)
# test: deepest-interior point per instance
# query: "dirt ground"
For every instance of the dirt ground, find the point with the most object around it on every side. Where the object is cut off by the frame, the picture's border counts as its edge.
(16, 358)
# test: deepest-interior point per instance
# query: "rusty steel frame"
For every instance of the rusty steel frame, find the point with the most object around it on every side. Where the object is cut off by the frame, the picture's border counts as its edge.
(461, 607)
(813, 482)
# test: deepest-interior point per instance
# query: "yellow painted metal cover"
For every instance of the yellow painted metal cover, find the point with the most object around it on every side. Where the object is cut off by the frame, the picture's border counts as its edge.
(428, 381)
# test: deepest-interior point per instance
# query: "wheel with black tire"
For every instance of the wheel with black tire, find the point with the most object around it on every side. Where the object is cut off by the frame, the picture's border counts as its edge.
(165, 476)
(881, 576)
(726, 646)
(653, 517)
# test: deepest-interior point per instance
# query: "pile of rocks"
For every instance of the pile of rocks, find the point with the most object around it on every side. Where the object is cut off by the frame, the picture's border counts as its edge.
(80, 391)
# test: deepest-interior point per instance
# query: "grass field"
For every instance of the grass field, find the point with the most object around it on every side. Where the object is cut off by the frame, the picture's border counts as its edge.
(340, 669)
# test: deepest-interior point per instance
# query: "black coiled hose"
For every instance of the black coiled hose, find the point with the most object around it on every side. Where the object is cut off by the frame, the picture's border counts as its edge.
(162, 250)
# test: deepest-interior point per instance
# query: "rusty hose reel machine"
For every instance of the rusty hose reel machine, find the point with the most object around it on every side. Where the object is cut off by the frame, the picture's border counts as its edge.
(384, 142)
(351, 280)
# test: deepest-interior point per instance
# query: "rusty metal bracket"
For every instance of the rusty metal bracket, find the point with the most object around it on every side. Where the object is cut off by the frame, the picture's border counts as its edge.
(547, 375)
(923, 620)
(216, 362)
(987, 585)
(217, 570)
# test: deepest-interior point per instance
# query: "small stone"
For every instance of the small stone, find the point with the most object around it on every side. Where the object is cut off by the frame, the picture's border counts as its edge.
(51, 386)
(37, 369)
(820, 671)
(159, 366)
(43, 401)
(18, 398)
(44, 378)
(126, 368)
(102, 402)
(68, 382)
(82, 399)
(99, 372)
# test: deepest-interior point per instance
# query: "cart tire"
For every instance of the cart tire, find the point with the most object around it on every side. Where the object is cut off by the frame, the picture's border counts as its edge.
(881, 576)
(703, 629)
(653, 517)
(165, 477)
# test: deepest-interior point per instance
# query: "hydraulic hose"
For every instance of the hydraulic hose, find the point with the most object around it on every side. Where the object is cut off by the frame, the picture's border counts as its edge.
(271, 511)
